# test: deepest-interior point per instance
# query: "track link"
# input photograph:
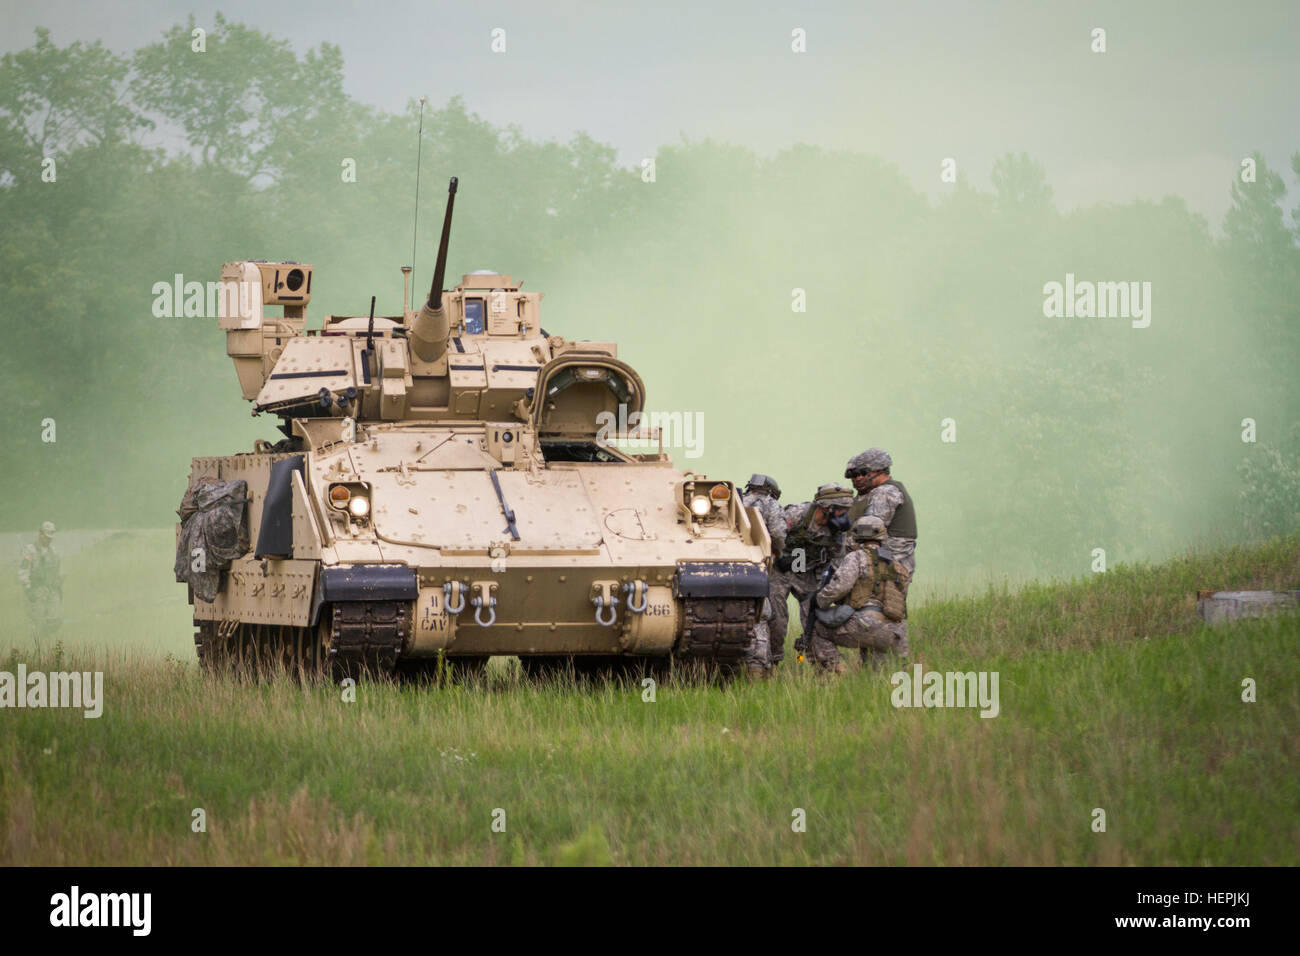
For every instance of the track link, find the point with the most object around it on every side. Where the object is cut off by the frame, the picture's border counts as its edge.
(368, 636)
(717, 631)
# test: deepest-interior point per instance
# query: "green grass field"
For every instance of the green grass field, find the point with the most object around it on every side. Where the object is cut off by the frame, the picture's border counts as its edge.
(1111, 696)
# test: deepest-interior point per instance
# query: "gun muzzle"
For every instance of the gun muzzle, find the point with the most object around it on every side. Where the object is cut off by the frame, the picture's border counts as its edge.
(429, 330)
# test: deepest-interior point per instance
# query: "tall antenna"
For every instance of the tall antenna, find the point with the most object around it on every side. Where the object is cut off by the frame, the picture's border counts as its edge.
(419, 147)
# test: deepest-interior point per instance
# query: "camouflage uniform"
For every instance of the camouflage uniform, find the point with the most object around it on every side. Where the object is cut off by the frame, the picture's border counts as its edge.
(868, 629)
(763, 493)
(759, 659)
(814, 546)
(883, 502)
(42, 582)
(773, 518)
(781, 581)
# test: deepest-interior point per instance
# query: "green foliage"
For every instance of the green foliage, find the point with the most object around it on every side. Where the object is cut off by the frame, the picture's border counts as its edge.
(1072, 434)
(1270, 487)
(55, 101)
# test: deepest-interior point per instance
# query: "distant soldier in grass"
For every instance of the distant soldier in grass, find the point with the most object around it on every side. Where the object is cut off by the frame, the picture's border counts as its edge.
(862, 604)
(42, 583)
(763, 493)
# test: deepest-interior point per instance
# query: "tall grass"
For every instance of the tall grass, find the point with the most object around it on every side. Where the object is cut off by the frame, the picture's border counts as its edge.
(1112, 697)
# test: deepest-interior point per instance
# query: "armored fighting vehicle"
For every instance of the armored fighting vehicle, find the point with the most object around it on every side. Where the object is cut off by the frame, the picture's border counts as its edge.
(449, 487)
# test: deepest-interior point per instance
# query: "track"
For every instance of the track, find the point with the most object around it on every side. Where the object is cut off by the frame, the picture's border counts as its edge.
(366, 637)
(355, 638)
(717, 631)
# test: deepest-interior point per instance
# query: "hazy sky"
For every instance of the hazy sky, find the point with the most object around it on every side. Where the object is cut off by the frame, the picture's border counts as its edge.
(1184, 90)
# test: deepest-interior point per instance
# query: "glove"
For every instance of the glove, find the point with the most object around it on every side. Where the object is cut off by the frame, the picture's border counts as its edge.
(801, 642)
(784, 563)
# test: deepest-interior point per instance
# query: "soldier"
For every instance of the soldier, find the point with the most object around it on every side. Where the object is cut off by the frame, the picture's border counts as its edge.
(862, 603)
(42, 582)
(885, 497)
(758, 663)
(763, 493)
(814, 540)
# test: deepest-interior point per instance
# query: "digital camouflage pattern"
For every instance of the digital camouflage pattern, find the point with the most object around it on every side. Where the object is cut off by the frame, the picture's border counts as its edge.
(774, 519)
(781, 583)
(813, 548)
(875, 637)
(773, 516)
(758, 659)
(868, 528)
(873, 459)
(762, 492)
(868, 629)
(882, 501)
(214, 533)
(757, 481)
(41, 577)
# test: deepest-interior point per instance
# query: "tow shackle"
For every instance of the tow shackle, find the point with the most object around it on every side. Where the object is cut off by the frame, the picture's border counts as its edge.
(484, 598)
(633, 590)
(457, 590)
(603, 597)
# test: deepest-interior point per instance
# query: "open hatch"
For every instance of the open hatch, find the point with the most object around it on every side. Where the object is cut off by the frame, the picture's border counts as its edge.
(582, 401)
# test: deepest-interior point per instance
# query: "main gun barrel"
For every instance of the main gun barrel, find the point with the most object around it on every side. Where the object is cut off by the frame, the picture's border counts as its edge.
(429, 330)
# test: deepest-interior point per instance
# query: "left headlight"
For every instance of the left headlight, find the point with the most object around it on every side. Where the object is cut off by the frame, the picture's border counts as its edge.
(359, 506)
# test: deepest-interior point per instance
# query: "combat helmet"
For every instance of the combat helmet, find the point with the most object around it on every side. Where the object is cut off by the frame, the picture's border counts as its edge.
(833, 496)
(758, 482)
(868, 528)
(873, 459)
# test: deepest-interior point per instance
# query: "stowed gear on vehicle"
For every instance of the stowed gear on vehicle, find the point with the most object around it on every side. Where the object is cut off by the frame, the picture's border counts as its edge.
(447, 489)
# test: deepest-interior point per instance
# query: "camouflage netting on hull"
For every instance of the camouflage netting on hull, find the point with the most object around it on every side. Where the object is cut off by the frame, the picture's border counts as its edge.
(214, 524)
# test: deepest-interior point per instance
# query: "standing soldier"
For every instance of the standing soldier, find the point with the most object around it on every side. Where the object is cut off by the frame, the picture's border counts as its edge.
(763, 493)
(862, 604)
(883, 496)
(814, 540)
(42, 581)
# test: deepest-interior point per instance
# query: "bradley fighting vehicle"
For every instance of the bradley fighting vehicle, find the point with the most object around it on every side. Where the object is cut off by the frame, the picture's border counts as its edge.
(448, 487)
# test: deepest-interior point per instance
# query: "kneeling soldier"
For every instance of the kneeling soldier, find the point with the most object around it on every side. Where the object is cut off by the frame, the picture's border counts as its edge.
(870, 586)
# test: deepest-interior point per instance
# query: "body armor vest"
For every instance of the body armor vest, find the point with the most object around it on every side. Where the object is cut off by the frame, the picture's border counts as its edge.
(887, 587)
(903, 524)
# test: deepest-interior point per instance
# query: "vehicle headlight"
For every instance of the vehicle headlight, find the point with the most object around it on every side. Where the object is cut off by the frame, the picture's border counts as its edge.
(700, 506)
(359, 506)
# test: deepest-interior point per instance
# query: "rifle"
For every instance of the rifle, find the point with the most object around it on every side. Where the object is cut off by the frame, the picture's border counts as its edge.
(801, 642)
